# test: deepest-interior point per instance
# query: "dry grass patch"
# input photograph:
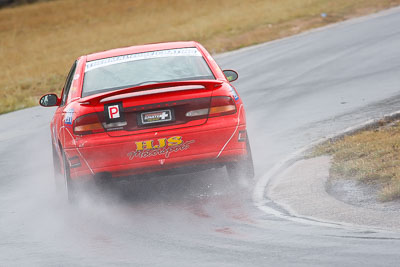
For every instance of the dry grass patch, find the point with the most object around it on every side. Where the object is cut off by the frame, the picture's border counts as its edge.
(39, 42)
(371, 156)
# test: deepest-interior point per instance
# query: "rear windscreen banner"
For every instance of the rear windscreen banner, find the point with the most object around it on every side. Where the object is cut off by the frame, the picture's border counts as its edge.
(191, 51)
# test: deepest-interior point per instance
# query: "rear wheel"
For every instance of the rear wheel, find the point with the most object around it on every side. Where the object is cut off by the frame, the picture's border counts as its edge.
(242, 172)
(69, 184)
(58, 177)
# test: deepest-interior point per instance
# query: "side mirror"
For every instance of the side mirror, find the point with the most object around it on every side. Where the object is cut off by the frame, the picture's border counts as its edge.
(49, 100)
(231, 75)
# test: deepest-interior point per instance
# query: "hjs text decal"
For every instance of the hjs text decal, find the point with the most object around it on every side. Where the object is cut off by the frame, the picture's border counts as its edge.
(163, 146)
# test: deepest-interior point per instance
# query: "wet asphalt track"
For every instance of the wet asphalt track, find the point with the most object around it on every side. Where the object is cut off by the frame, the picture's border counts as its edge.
(296, 91)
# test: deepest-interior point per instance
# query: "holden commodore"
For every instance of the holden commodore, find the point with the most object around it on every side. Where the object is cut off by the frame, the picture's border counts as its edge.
(145, 109)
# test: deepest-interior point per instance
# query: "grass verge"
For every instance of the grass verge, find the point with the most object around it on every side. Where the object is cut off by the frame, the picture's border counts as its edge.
(370, 156)
(39, 42)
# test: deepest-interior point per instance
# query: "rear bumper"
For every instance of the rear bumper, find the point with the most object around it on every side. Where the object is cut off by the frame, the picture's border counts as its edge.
(156, 151)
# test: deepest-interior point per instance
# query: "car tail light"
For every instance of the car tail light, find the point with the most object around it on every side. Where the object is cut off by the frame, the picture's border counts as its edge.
(88, 124)
(197, 112)
(222, 105)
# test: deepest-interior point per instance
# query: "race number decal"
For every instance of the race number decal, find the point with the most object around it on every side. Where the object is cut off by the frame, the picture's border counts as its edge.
(68, 116)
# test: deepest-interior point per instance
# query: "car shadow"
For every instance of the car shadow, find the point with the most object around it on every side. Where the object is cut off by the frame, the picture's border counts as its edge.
(162, 188)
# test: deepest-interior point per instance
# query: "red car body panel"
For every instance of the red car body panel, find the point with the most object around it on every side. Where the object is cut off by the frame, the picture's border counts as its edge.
(138, 149)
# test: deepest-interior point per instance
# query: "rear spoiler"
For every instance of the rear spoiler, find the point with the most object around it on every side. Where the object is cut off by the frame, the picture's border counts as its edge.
(97, 98)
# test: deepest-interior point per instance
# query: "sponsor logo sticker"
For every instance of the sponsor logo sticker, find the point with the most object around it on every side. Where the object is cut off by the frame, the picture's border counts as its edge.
(162, 146)
(156, 116)
(68, 116)
(234, 94)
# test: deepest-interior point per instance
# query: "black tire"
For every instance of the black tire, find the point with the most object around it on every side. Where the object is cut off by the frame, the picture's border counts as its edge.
(70, 186)
(58, 177)
(242, 172)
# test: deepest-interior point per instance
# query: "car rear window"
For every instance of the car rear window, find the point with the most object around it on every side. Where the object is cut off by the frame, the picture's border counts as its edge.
(144, 68)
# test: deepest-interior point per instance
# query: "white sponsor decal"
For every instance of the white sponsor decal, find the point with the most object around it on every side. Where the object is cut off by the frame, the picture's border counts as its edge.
(191, 51)
(156, 116)
(68, 116)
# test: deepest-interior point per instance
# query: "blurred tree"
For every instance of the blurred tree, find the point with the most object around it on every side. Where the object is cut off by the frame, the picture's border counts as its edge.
(4, 3)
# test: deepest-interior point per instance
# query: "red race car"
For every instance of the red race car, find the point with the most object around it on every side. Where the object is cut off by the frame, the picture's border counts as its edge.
(150, 108)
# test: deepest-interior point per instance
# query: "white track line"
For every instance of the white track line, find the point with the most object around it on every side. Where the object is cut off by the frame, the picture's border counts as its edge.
(259, 194)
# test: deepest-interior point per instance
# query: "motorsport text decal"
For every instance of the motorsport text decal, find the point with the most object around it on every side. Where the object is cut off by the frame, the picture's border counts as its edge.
(165, 146)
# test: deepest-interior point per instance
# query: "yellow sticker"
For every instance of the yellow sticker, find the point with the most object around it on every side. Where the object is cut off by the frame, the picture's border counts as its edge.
(162, 146)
